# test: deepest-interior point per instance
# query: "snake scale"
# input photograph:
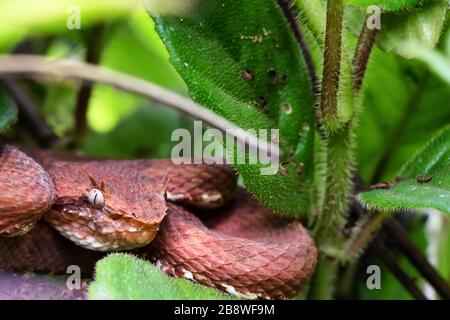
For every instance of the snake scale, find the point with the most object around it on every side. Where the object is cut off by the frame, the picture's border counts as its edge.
(192, 221)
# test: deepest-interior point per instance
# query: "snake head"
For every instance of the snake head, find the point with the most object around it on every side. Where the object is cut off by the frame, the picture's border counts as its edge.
(123, 212)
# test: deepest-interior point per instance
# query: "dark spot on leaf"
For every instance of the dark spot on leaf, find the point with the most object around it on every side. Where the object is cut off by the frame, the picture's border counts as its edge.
(256, 39)
(261, 102)
(247, 75)
(306, 127)
(273, 77)
(424, 179)
(386, 185)
(283, 169)
(287, 108)
(275, 43)
(381, 185)
(299, 169)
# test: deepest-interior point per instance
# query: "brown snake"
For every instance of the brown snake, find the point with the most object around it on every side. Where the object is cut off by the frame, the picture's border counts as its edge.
(148, 206)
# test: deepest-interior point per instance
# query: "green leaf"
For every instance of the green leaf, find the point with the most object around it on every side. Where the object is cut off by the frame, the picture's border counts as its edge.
(435, 158)
(388, 5)
(404, 107)
(239, 59)
(423, 26)
(436, 61)
(312, 17)
(124, 277)
(426, 184)
(8, 111)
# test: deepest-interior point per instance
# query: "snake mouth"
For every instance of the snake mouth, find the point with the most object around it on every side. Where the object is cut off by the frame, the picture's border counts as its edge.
(101, 230)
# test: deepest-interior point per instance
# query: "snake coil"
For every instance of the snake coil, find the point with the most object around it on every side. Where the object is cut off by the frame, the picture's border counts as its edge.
(55, 212)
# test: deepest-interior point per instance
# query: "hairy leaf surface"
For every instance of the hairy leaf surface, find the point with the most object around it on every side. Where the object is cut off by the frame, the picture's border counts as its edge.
(426, 181)
(239, 59)
(124, 277)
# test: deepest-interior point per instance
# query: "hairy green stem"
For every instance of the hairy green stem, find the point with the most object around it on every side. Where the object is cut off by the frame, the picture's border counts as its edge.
(339, 160)
(340, 144)
(338, 185)
(332, 63)
(322, 284)
(363, 233)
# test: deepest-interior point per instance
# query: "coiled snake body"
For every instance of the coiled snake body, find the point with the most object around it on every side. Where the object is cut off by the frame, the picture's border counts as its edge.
(155, 208)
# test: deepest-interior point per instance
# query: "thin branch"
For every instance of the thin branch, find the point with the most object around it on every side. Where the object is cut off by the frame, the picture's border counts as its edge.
(366, 42)
(371, 221)
(332, 61)
(31, 64)
(391, 262)
(94, 48)
(410, 250)
(29, 113)
(292, 21)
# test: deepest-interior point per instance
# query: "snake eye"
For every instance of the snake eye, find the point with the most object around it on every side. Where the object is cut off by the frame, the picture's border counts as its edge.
(96, 198)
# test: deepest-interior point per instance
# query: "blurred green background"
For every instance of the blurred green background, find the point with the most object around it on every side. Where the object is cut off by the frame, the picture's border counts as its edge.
(127, 126)
(121, 125)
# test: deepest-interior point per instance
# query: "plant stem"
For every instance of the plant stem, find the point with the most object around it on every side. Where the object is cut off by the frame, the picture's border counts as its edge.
(339, 143)
(29, 113)
(322, 284)
(332, 62)
(332, 217)
(285, 8)
(338, 146)
(94, 49)
(363, 49)
(366, 229)
(339, 159)
(416, 257)
(338, 182)
(32, 64)
(391, 262)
